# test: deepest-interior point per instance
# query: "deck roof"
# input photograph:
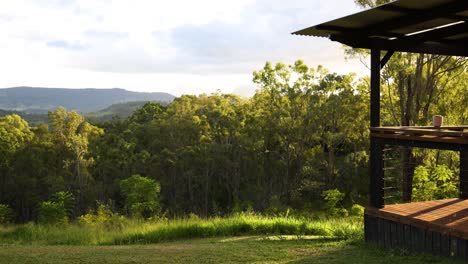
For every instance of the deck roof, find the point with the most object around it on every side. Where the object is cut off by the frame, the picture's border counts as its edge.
(418, 26)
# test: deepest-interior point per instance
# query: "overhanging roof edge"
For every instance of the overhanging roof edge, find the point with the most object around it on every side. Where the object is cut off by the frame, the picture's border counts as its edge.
(432, 26)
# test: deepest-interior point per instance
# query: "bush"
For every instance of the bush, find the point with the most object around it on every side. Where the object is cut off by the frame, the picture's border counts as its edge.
(52, 213)
(6, 214)
(56, 210)
(356, 210)
(103, 217)
(332, 198)
(141, 196)
(342, 212)
(67, 199)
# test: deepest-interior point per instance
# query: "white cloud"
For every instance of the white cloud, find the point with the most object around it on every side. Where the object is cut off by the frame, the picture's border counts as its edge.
(178, 46)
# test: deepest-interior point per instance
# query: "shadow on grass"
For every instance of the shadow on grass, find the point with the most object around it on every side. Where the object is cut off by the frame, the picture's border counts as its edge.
(282, 239)
(361, 253)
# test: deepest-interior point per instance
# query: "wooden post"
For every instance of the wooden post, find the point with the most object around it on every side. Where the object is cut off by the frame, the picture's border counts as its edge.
(464, 172)
(375, 88)
(376, 151)
(376, 174)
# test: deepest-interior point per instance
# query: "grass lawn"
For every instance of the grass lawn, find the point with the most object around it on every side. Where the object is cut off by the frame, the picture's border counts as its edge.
(244, 249)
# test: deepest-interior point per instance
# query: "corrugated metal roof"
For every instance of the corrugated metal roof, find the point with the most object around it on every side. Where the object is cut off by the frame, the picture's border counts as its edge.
(426, 26)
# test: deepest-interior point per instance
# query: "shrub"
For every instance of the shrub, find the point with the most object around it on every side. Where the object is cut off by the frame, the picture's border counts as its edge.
(67, 199)
(103, 217)
(52, 213)
(332, 198)
(356, 210)
(6, 214)
(342, 212)
(56, 210)
(141, 196)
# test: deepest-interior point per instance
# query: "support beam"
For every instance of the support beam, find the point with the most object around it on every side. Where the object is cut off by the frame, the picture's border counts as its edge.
(464, 172)
(375, 88)
(386, 58)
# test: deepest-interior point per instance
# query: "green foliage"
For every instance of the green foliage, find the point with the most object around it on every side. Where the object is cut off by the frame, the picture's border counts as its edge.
(148, 112)
(65, 198)
(332, 200)
(437, 183)
(116, 112)
(14, 133)
(371, 3)
(103, 218)
(6, 214)
(356, 210)
(442, 174)
(141, 196)
(211, 155)
(57, 210)
(52, 213)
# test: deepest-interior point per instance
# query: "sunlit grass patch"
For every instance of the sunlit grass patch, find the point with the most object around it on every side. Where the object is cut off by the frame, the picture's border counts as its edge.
(149, 232)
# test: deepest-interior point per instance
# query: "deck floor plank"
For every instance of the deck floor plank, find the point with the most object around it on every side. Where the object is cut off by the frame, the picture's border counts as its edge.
(445, 216)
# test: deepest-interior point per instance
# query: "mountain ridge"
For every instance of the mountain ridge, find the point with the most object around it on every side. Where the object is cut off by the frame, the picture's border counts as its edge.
(84, 100)
(119, 110)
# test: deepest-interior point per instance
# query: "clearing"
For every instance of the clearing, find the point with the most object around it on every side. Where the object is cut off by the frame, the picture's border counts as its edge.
(245, 249)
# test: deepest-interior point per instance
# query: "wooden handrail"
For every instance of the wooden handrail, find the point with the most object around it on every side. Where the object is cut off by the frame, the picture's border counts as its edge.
(458, 131)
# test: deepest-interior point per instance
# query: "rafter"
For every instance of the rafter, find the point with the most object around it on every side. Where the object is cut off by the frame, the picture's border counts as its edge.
(415, 18)
(438, 34)
(441, 48)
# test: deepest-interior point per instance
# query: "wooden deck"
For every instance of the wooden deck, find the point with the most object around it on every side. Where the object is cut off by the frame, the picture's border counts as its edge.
(443, 216)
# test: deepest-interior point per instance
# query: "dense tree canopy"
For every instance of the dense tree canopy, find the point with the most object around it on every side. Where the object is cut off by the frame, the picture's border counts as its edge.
(305, 131)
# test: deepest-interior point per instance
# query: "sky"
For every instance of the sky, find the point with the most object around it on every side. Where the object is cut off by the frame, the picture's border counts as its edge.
(174, 46)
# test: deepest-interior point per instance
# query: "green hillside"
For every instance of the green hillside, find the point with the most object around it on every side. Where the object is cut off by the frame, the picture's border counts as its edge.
(121, 110)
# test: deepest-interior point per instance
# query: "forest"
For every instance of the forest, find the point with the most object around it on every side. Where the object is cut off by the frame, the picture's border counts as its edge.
(300, 172)
(299, 145)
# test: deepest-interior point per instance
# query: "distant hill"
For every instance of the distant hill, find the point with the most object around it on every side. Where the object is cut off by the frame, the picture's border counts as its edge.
(42, 100)
(122, 110)
(33, 119)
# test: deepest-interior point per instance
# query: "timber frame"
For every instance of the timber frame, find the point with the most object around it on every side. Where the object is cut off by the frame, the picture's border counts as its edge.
(433, 27)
